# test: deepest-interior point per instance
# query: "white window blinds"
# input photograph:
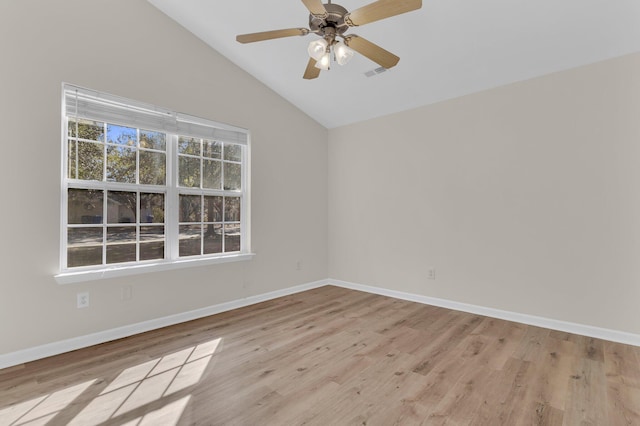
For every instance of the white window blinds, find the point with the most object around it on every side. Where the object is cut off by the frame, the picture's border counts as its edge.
(85, 103)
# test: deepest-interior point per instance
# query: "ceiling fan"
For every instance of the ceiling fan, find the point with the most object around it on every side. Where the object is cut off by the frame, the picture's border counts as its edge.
(330, 21)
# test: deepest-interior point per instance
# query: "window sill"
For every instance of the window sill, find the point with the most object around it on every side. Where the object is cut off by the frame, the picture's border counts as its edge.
(123, 271)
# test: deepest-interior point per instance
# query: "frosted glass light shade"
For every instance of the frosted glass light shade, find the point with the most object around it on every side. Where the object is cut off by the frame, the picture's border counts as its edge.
(343, 53)
(317, 48)
(324, 61)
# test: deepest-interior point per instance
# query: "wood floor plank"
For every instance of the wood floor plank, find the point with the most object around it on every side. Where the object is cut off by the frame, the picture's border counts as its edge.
(462, 402)
(504, 395)
(554, 371)
(512, 394)
(532, 344)
(333, 356)
(623, 384)
(508, 341)
(586, 402)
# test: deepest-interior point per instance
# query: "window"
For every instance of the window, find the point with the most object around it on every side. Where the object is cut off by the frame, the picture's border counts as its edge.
(147, 186)
(209, 223)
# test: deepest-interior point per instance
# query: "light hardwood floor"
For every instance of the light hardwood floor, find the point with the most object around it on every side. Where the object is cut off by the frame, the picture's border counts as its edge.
(332, 356)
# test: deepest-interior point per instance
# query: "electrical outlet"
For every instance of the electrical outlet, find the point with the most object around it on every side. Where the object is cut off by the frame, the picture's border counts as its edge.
(298, 265)
(83, 300)
(431, 274)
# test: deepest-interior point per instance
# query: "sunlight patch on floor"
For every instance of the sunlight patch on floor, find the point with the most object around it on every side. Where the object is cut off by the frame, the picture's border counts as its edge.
(39, 411)
(149, 387)
(169, 415)
(146, 383)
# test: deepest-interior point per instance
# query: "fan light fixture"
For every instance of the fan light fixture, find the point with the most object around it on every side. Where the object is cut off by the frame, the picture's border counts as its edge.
(320, 51)
(343, 53)
(324, 62)
(317, 48)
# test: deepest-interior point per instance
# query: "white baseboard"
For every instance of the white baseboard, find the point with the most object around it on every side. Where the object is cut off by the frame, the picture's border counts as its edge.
(553, 324)
(56, 348)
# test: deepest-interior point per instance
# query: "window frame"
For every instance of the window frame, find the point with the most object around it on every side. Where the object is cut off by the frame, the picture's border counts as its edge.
(173, 125)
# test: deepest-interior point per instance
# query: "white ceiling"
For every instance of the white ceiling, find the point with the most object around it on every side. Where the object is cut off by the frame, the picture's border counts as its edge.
(447, 49)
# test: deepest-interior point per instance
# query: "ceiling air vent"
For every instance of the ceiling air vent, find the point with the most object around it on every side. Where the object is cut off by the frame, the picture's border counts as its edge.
(376, 71)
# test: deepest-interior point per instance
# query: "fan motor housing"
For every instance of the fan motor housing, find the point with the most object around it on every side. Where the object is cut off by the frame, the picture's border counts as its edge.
(335, 19)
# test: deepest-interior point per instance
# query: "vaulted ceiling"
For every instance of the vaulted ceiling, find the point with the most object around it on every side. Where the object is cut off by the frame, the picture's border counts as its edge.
(448, 48)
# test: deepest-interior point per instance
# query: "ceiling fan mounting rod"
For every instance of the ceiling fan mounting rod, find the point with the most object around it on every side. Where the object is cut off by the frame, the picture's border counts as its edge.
(329, 34)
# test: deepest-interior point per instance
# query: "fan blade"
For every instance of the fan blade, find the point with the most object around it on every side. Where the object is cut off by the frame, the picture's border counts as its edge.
(268, 35)
(316, 8)
(372, 51)
(311, 72)
(380, 9)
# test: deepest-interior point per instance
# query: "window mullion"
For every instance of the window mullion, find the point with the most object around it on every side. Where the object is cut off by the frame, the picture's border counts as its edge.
(222, 168)
(77, 145)
(64, 194)
(137, 157)
(202, 224)
(244, 213)
(171, 200)
(105, 153)
(138, 222)
(105, 194)
(224, 230)
(201, 197)
(116, 186)
(105, 210)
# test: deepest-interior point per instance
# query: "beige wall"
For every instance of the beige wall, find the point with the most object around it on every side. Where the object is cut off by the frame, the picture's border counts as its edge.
(129, 48)
(524, 198)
